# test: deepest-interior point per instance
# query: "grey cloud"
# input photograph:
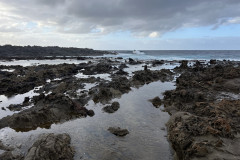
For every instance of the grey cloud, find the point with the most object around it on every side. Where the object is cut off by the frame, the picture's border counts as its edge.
(141, 17)
(10, 29)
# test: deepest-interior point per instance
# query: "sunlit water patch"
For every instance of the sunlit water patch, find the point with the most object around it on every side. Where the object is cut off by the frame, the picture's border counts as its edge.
(8, 70)
(105, 76)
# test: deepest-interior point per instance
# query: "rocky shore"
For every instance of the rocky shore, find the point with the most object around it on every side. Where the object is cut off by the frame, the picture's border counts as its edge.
(204, 107)
(205, 117)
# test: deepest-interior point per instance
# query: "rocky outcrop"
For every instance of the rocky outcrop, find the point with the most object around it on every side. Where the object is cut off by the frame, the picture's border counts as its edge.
(51, 146)
(157, 62)
(98, 68)
(133, 62)
(50, 109)
(147, 76)
(121, 72)
(202, 125)
(24, 79)
(117, 131)
(112, 108)
(115, 88)
(157, 102)
(9, 153)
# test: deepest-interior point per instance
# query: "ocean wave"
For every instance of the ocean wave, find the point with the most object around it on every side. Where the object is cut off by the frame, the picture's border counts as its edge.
(138, 52)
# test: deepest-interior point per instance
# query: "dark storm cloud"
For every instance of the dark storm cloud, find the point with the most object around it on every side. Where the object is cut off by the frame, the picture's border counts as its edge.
(141, 17)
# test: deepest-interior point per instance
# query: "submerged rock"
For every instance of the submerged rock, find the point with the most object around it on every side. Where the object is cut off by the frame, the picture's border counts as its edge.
(112, 108)
(117, 131)
(157, 102)
(115, 88)
(15, 107)
(52, 147)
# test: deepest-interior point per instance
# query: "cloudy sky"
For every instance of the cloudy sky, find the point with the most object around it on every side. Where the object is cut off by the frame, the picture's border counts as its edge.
(122, 24)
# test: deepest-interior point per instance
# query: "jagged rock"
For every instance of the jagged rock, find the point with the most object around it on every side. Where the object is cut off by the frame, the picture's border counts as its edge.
(121, 72)
(51, 146)
(122, 66)
(213, 61)
(15, 107)
(9, 155)
(147, 76)
(112, 108)
(184, 64)
(117, 131)
(99, 68)
(51, 109)
(200, 119)
(26, 100)
(115, 88)
(157, 102)
(133, 62)
(24, 79)
(157, 62)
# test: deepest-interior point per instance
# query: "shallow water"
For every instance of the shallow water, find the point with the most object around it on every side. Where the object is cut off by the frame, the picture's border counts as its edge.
(91, 139)
(105, 76)
(181, 55)
(134, 68)
(25, 63)
(17, 99)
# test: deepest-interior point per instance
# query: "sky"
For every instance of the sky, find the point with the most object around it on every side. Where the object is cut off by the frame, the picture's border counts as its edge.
(122, 24)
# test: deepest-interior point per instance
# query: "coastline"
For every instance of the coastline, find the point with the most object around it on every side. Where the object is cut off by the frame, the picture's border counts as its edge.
(197, 94)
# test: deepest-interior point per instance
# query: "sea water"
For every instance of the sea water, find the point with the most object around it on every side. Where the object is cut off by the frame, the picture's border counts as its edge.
(180, 55)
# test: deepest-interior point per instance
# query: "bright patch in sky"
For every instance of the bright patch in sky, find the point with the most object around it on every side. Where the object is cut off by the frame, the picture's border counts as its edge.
(153, 35)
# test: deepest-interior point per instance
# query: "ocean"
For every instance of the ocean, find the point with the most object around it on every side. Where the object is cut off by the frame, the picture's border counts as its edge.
(180, 54)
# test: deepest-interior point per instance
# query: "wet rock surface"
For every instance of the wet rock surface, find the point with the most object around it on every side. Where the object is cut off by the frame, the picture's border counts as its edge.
(147, 76)
(115, 88)
(112, 108)
(25, 79)
(10, 156)
(50, 109)
(157, 102)
(51, 146)
(117, 131)
(9, 153)
(202, 125)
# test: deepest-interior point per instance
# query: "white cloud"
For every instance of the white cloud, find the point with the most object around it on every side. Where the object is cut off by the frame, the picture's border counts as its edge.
(234, 20)
(153, 35)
